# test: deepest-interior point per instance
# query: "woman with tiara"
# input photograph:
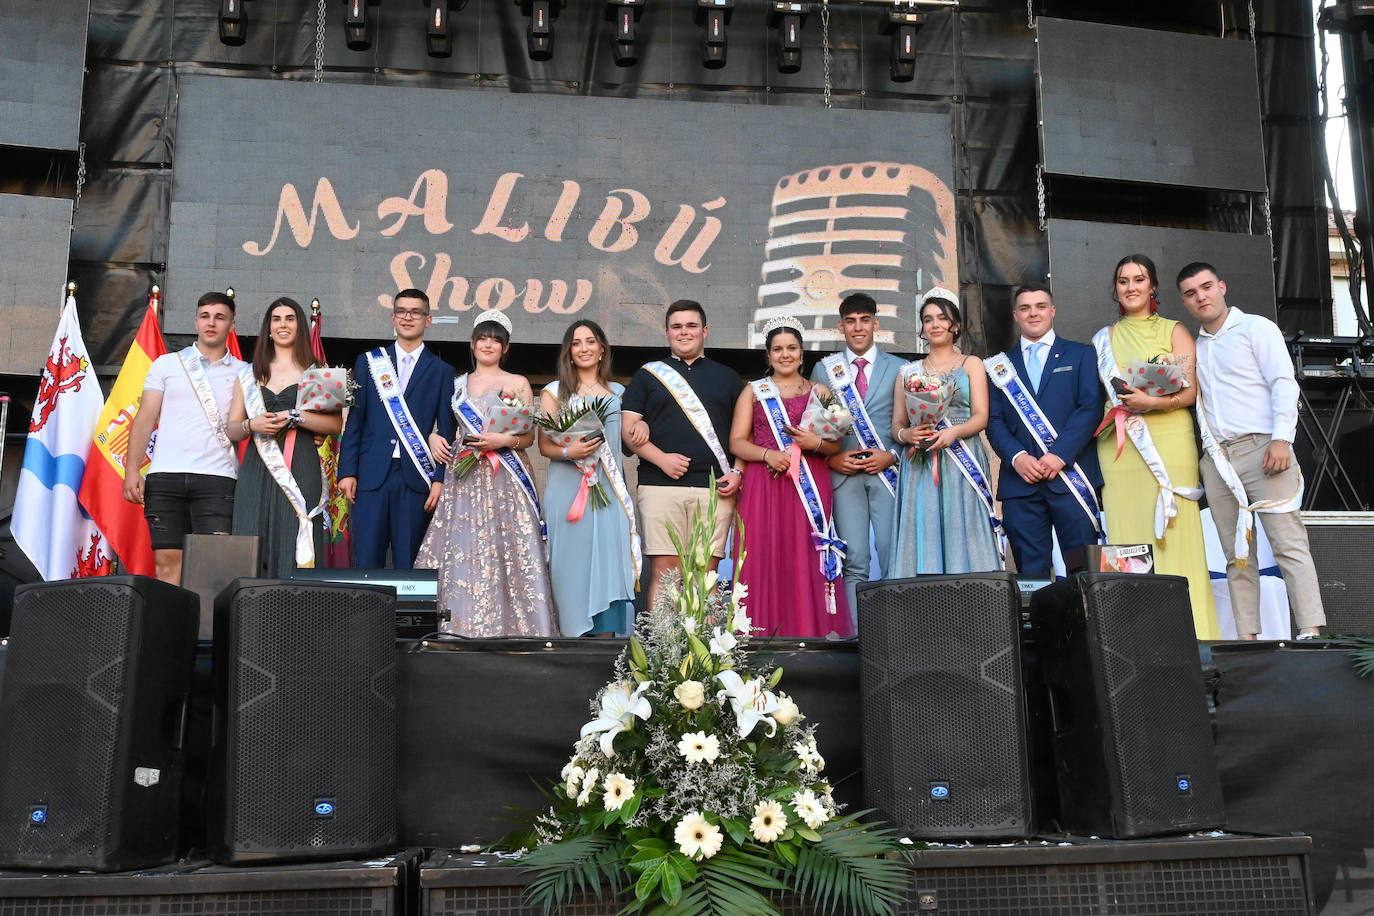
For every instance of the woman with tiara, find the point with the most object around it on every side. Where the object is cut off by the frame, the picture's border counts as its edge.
(278, 493)
(486, 535)
(943, 521)
(594, 552)
(792, 555)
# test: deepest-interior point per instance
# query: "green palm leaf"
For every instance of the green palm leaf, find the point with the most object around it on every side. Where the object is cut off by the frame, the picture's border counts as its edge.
(575, 865)
(1363, 655)
(848, 871)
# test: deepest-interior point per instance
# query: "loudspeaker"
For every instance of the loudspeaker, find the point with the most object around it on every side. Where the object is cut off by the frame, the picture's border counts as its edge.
(209, 562)
(92, 711)
(944, 739)
(1128, 712)
(304, 757)
(1342, 543)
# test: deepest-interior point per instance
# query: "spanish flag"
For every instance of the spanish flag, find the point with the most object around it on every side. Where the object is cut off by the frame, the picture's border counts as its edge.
(102, 489)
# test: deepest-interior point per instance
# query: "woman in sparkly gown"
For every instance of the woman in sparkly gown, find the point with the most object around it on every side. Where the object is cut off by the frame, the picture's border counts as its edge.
(261, 508)
(485, 538)
(788, 594)
(942, 526)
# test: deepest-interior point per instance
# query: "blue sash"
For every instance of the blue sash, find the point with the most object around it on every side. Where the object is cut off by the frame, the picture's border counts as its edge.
(837, 370)
(464, 410)
(389, 391)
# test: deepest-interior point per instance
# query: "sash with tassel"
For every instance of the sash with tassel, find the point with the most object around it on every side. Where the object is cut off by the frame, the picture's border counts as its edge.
(467, 412)
(837, 370)
(398, 412)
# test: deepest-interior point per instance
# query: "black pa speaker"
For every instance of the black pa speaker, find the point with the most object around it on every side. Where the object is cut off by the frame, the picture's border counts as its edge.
(92, 713)
(304, 758)
(944, 737)
(1132, 741)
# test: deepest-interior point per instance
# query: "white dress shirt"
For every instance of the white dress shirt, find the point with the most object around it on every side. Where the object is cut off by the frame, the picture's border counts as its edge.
(850, 356)
(1047, 340)
(403, 376)
(1245, 379)
(184, 442)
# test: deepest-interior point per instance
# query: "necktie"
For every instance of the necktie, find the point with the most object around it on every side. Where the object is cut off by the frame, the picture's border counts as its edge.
(861, 376)
(407, 362)
(1035, 363)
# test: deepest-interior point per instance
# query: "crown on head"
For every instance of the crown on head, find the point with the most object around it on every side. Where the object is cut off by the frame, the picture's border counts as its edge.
(782, 321)
(939, 292)
(497, 316)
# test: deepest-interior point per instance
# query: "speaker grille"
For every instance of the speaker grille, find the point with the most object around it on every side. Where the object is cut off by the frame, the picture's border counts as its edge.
(364, 901)
(1341, 554)
(943, 711)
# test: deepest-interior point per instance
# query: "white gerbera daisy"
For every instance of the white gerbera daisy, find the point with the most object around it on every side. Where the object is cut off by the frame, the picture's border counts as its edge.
(619, 788)
(810, 809)
(769, 821)
(697, 837)
(699, 747)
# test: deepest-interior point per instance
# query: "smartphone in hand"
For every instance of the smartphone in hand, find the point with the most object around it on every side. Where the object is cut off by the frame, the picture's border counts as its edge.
(862, 455)
(1120, 387)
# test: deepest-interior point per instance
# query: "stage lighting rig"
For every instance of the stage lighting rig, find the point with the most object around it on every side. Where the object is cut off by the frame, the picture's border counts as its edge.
(713, 16)
(1348, 16)
(788, 17)
(357, 24)
(539, 35)
(624, 13)
(438, 29)
(233, 24)
(903, 22)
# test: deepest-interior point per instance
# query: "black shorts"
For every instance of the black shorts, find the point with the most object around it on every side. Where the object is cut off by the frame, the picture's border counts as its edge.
(176, 505)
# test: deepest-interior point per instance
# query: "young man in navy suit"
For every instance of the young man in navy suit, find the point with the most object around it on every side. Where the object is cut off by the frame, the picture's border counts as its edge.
(1041, 421)
(385, 468)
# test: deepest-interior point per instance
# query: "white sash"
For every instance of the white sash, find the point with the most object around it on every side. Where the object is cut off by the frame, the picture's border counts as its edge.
(398, 412)
(1245, 518)
(691, 406)
(1166, 507)
(468, 414)
(611, 467)
(200, 385)
(1003, 374)
(275, 463)
(837, 370)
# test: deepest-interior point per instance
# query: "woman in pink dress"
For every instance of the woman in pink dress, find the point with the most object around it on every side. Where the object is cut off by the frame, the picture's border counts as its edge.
(789, 593)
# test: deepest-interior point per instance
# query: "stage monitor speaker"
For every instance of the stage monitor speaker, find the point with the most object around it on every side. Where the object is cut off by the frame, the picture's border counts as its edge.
(209, 562)
(1128, 712)
(304, 758)
(944, 739)
(92, 713)
(1342, 543)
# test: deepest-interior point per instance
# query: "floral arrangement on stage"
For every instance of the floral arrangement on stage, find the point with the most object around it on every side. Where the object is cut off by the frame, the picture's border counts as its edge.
(509, 416)
(698, 787)
(581, 418)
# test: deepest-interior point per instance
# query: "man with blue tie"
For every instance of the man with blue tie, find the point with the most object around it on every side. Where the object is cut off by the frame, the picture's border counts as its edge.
(1041, 423)
(865, 379)
(385, 467)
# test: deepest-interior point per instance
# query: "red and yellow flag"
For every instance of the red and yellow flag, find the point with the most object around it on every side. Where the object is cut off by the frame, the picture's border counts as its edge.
(102, 488)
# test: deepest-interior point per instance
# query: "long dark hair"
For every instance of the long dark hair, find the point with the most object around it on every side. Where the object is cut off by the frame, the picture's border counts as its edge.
(567, 372)
(264, 348)
(1150, 272)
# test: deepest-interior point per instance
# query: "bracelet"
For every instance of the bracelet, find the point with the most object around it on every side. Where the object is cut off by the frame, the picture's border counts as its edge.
(765, 455)
(293, 418)
(565, 453)
(246, 428)
(1173, 399)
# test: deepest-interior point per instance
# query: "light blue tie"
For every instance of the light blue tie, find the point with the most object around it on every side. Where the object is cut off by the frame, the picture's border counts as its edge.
(1035, 364)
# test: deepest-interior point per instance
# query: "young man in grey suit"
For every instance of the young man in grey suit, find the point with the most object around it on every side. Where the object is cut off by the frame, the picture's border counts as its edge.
(862, 473)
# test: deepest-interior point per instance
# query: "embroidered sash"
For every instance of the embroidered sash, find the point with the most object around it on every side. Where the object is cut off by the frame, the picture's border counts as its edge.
(691, 406)
(1003, 375)
(192, 365)
(276, 465)
(398, 412)
(611, 467)
(1166, 507)
(1245, 518)
(823, 535)
(837, 370)
(471, 417)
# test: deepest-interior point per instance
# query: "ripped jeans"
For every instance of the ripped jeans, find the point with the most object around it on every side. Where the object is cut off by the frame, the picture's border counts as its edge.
(176, 505)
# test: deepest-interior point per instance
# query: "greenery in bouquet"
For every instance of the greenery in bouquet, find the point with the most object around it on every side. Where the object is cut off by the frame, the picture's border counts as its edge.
(467, 457)
(697, 788)
(576, 418)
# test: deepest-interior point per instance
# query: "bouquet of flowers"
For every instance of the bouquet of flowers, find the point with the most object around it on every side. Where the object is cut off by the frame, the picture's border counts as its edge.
(927, 399)
(826, 416)
(325, 390)
(1161, 375)
(578, 419)
(509, 416)
(697, 787)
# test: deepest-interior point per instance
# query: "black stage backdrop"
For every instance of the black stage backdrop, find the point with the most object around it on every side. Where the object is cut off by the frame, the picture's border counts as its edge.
(974, 64)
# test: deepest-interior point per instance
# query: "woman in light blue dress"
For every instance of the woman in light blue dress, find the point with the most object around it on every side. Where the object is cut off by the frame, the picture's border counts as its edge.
(942, 527)
(592, 562)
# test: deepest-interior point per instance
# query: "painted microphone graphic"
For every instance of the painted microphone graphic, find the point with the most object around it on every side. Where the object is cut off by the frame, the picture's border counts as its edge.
(883, 228)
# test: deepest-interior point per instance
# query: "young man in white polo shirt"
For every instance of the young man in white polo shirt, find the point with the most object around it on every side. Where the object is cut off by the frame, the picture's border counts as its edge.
(190, 486)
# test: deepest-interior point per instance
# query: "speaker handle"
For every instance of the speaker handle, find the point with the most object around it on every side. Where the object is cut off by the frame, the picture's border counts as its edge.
(1061, 708)
(183, 722)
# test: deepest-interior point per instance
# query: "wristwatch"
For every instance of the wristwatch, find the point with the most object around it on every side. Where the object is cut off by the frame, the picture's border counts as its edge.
(293, 418)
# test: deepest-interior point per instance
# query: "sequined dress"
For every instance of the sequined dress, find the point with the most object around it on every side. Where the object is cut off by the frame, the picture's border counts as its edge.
(484, 541)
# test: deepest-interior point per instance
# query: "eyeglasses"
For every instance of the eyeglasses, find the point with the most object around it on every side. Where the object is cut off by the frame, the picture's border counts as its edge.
(410, 313)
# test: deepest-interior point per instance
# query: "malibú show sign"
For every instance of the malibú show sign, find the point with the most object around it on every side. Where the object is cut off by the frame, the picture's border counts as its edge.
(550, 207)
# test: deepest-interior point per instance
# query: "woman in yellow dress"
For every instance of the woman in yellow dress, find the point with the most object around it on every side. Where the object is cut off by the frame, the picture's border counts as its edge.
(1131, 491)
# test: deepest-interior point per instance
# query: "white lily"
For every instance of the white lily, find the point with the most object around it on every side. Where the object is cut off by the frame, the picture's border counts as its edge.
(689, 625)
(722, 642)
(741, 622)
(619, 705)
(711, 579)
(751, 702)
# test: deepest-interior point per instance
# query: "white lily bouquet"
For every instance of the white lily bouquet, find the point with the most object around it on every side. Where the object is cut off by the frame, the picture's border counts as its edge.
(697, 787)
(579, 419)
(827, 417)
(509, 416)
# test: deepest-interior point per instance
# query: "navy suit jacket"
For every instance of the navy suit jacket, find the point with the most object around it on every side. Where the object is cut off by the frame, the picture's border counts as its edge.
(1070, 397)
(369, 438)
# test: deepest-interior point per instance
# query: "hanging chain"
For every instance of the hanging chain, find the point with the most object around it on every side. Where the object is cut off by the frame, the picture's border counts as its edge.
(319, 42)
(1041, 206)
(1251, 6)
(80, 175)
(825, 51)
(1030, 15)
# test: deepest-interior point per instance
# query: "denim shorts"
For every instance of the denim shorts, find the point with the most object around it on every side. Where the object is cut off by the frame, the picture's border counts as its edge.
(176, 505)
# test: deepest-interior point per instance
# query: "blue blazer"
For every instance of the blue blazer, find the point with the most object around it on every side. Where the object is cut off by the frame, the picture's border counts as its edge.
(1070, 397)
(369, 438)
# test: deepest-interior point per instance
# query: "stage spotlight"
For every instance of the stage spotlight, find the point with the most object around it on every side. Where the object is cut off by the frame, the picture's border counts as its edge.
(903, 22)
(713, 16)
(539, 35)
(357, 25)
(438, 30)
(233, 24)
(624, 13)
(788, 18)
(1348, 16)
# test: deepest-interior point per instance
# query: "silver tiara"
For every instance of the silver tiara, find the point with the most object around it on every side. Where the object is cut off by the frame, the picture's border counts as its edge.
(783, 321)
(494, 315)
(939, 292)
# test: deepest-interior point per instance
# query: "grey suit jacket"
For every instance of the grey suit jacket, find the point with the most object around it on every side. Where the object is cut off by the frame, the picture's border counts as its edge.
(882, 381)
